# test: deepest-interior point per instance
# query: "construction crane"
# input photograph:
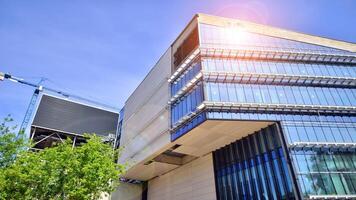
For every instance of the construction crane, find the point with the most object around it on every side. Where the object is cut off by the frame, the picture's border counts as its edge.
(39, 88)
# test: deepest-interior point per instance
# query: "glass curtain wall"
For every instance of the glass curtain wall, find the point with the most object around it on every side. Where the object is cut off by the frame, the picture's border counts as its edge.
(253, 167)
(324, 167)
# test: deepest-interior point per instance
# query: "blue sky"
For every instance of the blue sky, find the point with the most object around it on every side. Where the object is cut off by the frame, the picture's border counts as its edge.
(103, 49)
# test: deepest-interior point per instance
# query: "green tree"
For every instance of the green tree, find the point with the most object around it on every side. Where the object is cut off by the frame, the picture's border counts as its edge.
(62, 172)
(11, 144)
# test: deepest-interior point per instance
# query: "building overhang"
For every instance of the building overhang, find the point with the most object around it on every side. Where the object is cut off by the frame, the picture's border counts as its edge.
(203, 139)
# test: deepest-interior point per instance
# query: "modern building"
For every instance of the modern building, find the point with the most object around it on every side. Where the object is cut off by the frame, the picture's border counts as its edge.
(238, 110)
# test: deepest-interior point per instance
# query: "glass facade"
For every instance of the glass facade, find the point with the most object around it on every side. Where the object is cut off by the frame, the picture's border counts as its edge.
(187, 104)
(277, 67)
(276, 94)
(253, 167)
(321, 144)
(188, 75)
(236, 37)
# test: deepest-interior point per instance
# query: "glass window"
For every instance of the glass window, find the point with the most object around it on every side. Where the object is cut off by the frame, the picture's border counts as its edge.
(297, 95)
(315, 96)
(348, 183)
(302, 68)
(310, 70)
(338, 70)
(311, 161)
(308, 184)
(259, 68)
(248, 93)
(317, 70)
(193, 100)
(329, 135)
(231, 92)
(279, 177)
(305, 95)
(345, 134)
(336, 96)
(288, 68)
(343, 94)
(265, 94)
(339, 162)
(339, 187)
(352, 132)
(337, 135)
(330, 162)
(289, 95)
(323, 70)
(303, 135)
(223, 92)
(318, 184)
(273, 94)
(329, 186)
(331, 71)
(189, 103)
(219, 65)
(257, 94)
(242, 66)
(240, 93)
(272, 67)
(321, 97)
(214, 92)
(319, 134)
(227, 65)
(328, 96)
(301, 163)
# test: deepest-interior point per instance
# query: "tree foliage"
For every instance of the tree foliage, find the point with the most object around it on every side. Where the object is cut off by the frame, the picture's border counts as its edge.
(11, 144)
(62, 172)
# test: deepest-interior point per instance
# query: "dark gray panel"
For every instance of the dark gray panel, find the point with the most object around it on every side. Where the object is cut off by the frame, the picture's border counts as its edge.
(67, 116)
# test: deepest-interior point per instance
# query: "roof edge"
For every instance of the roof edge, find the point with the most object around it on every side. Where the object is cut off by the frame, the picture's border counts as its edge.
(276, 32)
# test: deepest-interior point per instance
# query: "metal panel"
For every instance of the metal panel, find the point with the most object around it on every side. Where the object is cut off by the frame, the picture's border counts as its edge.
(70, 117)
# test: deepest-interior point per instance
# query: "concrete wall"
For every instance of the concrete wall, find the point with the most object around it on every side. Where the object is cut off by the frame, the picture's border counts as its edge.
(127, 191)
(146, 117)
(193, 181)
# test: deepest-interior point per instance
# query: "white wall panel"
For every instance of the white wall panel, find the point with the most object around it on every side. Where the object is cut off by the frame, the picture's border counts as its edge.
(146, 116)
(127, 191)
(192, 181)
(142, 143)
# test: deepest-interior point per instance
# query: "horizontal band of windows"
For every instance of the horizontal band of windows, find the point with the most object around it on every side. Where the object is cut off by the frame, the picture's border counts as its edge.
(279, 55)
(320, 123)
(206, 106)
(193, 69)
(332, 196)
(229, 106)
(333, 146)
(185, 89)
(188, 125)
(328, 172)
(273, 67)
(187, 103)
(186, 118)
(276, 94)
(278, 79)
(184, 64)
